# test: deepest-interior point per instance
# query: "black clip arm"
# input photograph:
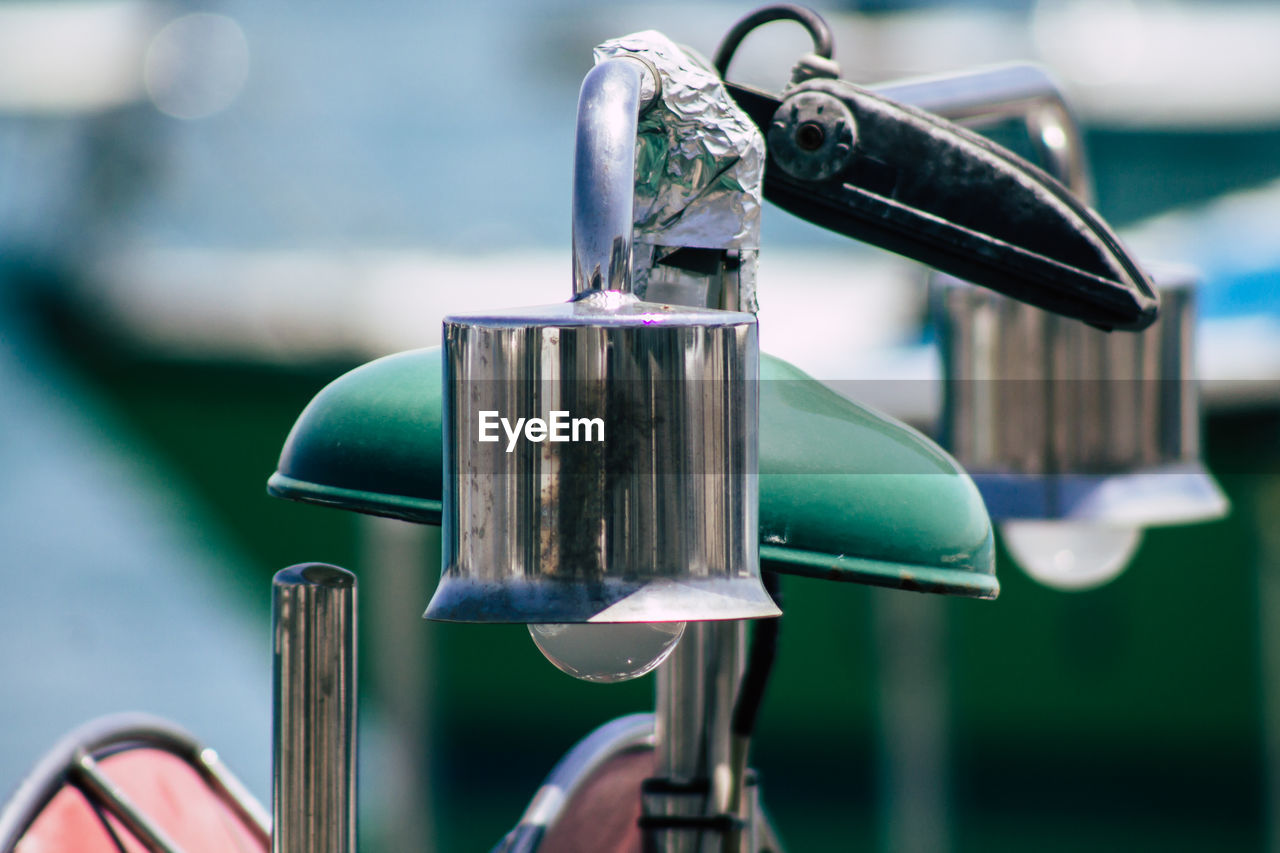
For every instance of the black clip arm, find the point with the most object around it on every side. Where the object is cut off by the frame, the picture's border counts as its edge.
(903, 179)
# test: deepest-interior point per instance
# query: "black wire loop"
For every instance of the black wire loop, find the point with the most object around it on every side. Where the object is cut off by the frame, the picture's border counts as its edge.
(818, 29)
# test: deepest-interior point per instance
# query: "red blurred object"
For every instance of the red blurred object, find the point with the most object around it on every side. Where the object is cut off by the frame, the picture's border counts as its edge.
(114, 781)
(604, 812)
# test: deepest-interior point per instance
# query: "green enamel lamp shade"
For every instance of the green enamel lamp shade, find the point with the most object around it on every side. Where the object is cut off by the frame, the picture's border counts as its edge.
(845, 492)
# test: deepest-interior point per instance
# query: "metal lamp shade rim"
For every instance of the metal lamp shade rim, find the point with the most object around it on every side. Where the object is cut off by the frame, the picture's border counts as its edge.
(968, 581)
(602, 309)
(1159, 496)
(611, 600)
(385, 504)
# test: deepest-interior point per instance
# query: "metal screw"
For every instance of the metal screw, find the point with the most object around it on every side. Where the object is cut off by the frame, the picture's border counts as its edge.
(810, 136)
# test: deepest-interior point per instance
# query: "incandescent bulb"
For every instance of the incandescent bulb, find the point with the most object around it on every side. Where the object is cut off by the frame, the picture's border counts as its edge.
(607, 652)
(1071, 555)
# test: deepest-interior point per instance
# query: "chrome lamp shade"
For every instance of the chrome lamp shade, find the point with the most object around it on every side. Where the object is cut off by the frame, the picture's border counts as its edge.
(639, 502)
(600, 456)
(1056, 420)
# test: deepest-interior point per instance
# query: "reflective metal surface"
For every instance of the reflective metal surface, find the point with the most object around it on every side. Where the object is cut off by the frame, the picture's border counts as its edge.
(1055, 419)
(89, 776)
(624, 735)
(696, 687)
(699, 169)
(696, 691)
(837, 479)
(604, 166)
(655, 518)
(700, 158)
(314, 757)
(642, 507)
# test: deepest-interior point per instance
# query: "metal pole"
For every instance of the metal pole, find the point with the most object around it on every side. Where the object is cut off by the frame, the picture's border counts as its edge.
(1265, 504)
(613, 95)
(914, 710)
(402, 660)
(99, 788)
(313, 799)
(696, 690)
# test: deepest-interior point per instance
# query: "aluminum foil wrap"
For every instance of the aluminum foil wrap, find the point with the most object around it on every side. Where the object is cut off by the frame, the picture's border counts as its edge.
(699, 158)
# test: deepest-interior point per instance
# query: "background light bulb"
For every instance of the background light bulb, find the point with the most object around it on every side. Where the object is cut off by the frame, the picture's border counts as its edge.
(607, 652)
(1071, 555)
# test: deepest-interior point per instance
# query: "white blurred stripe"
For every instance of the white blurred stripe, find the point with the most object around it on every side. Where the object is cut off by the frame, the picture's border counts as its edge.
(70, 57)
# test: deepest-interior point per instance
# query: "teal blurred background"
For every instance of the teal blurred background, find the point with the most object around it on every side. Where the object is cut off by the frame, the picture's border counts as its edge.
(244, 200)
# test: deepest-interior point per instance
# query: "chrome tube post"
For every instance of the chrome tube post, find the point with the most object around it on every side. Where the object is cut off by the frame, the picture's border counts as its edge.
(695, 692)
(313, 800)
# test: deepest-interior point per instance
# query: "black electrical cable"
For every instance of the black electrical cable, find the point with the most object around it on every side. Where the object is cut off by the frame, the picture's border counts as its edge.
(760, 658)
(818, 29)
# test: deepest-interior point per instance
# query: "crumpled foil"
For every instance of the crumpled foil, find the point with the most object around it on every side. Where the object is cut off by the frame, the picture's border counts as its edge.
(699, 158)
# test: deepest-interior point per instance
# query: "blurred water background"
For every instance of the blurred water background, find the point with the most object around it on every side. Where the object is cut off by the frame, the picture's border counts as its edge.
(209, 210)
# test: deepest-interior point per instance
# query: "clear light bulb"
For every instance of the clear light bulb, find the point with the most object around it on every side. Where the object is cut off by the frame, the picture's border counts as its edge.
(1071, 555)
(607, 652)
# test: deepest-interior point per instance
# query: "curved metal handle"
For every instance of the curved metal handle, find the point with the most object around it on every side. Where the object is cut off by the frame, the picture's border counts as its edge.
(604, 168)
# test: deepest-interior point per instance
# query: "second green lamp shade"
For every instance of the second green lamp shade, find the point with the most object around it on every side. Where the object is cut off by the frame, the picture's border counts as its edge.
(845, 493)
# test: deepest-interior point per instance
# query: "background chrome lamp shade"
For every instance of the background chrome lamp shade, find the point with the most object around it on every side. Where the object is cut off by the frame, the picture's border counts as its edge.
(1057, 420)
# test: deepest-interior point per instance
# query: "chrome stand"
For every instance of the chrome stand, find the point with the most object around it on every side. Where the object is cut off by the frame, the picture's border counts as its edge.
(696, 691)
(313, 796)
(699, 774)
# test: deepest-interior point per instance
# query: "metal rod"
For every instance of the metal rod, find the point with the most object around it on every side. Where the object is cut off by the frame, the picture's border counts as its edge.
(1264, 506)
(696, 690)
(88, 776)
(613, 95)
(401, 658)
(314, 769)
(914, 708)
(234, 795)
